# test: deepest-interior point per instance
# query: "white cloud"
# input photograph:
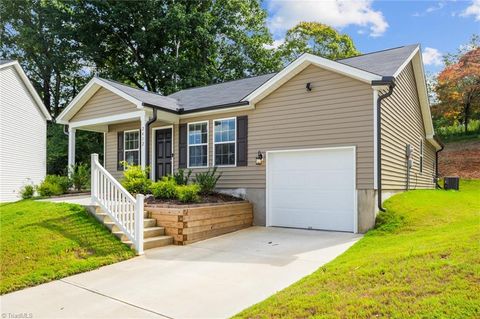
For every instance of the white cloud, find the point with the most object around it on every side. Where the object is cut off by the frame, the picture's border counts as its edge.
(275, 44)
(432, 56)
(472, 10)
(336, 13)
(436, 7)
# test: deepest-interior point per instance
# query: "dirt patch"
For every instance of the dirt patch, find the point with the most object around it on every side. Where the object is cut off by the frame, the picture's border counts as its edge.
(204, 199)
(460, 159)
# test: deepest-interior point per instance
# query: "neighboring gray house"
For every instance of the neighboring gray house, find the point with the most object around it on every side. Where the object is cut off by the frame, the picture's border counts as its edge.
(23, 132)
(300, 144)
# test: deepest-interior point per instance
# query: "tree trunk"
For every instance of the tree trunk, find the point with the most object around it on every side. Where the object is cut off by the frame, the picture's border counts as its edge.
(467, 111)
(46, 92)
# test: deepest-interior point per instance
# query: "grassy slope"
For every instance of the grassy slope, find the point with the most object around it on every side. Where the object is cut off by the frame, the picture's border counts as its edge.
(423, 261)
(41, 241)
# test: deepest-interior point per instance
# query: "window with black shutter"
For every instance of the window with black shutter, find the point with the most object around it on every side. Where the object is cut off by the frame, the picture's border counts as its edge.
(242, 140)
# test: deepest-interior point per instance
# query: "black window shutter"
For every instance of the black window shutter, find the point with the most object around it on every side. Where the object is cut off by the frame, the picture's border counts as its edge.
(182, 146)
(120, 157)
(242, 140)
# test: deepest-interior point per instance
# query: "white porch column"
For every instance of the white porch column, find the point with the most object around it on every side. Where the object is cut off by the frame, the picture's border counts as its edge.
(143, 144)
(71, 147)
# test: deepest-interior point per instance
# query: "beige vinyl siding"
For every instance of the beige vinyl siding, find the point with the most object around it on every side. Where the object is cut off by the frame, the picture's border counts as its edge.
(337, 112)
(111, 143)
(111, 146)
(402, 124)
(103, 103)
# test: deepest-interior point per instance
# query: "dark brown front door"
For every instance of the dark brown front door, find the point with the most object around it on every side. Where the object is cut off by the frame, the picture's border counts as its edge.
(163, 153)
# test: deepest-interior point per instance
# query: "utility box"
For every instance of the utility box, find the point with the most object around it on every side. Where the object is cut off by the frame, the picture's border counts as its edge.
(452, 182)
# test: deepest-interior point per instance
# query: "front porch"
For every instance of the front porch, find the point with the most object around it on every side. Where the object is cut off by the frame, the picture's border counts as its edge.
(137, 138)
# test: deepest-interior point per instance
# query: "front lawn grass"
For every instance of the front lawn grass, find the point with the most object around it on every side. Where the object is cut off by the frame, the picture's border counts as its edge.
(421, 261)
(42, 241)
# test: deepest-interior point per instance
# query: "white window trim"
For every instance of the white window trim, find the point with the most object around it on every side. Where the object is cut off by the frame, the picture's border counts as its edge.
(188, 144)
(132, 150)
(235, 141)
(420, 164)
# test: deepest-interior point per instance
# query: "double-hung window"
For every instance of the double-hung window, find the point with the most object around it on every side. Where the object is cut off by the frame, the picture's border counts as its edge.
(225, 137)
(131, 140)
(198, 144)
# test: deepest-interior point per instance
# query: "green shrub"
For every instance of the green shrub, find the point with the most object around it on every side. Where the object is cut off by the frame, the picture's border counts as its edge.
(80, 176)
(27, 191)
(457, 130)
(63, 182)
(207, 180)
(48, 188)
(135, 179)
(182, 177)
(164, 189)
(188, 193)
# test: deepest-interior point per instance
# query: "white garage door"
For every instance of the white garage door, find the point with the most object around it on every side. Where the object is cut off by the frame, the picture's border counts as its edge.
(313, 189)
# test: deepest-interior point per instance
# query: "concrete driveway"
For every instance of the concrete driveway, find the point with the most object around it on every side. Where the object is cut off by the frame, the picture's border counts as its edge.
(214, 278)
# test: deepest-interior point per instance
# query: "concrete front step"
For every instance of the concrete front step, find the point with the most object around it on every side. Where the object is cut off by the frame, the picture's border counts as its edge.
(154, 242)
(147, 223)
(153, 235)
(147, 233)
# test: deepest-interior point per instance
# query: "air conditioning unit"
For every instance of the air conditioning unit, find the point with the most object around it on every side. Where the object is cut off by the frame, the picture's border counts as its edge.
(452, 182)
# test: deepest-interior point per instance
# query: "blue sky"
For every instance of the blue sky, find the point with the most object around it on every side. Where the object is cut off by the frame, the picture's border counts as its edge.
(439, 26)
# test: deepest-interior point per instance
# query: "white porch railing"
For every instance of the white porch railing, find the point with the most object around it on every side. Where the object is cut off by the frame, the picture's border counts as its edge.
(124, 210)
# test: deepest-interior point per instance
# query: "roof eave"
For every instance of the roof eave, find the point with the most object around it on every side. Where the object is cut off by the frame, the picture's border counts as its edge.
(30, 87)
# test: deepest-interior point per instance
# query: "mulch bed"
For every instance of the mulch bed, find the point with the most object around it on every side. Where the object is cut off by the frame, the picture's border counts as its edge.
(215, 198)
(460, 159)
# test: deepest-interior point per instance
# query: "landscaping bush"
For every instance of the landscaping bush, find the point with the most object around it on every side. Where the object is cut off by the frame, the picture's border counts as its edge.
(457, 130)
(181, 177)
(164, 189)
(63, 182)
(80, 176)
(188, 193)
(48, 188)
(27, 191)
(135, 179)
(207, 180)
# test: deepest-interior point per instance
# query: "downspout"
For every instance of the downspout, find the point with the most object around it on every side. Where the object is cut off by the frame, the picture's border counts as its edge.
(390, 81)
(442, 146)
(147, 135)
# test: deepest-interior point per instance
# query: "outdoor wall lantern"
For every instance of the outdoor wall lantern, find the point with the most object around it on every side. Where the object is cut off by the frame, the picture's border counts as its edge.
(259, 158)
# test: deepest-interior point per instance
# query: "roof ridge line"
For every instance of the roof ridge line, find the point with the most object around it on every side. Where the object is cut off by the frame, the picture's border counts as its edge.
(207, 85)
(132, 87)
(379, 51)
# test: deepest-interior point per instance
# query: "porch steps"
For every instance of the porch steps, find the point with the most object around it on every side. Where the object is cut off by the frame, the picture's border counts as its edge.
(153, 235)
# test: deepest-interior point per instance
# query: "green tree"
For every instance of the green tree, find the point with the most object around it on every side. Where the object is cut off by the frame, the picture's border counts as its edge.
(57, 148)
(35, 33)
(316, 38)
(165, 46)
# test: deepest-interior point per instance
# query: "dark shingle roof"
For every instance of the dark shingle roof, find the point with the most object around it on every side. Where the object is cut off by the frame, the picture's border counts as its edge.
(144, 96)
(219, 94)
(384, 63)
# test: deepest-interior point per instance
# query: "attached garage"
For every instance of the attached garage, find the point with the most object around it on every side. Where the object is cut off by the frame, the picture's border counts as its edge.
(312, 189)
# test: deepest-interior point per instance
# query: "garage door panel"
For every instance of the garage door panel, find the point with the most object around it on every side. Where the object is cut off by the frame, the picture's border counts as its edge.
(310, 159)
(312, 189)
(312, 178)
(300, 218)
